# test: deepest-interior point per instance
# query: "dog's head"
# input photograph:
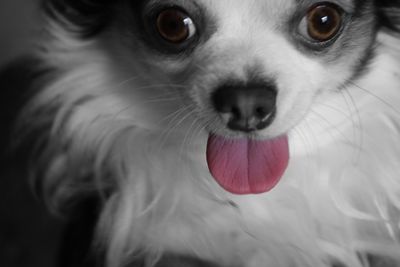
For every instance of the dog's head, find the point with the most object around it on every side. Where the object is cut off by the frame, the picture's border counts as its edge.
(246, 71)
(253, 68)
(248, 68)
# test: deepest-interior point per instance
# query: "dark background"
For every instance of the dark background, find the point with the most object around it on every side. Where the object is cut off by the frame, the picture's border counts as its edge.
(19, 22)
(29, 236)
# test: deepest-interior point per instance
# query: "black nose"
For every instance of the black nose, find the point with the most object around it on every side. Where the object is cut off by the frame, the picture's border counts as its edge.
(246, 108)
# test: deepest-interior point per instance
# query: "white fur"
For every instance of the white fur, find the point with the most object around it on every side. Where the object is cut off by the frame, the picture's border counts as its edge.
(340, 195)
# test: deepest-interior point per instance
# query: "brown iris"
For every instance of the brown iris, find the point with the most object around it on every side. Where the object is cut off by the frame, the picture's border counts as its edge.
(324, 22)
(174, 25)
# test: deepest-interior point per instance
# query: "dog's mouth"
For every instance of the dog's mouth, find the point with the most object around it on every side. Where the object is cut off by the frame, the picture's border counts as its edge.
(247, 166)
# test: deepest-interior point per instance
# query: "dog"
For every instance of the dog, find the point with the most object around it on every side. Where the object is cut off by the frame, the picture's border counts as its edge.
(220, 133)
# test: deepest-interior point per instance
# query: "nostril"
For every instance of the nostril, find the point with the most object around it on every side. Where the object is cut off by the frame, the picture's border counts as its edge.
(261, 112)
(236, 113)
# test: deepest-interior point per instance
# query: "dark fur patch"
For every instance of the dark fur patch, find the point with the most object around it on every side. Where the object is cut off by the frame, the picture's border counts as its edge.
(389, 14)
(18, 82)
(89, 17)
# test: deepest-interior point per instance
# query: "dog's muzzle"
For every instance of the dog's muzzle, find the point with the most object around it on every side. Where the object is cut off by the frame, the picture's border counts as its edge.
(245, 165)
(246, 108)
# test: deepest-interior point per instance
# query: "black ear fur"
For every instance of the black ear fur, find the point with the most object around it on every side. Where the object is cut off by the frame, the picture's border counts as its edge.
(389, 14)
(87, 17)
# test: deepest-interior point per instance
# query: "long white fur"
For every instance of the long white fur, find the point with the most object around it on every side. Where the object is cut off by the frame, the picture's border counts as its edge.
(339, 197)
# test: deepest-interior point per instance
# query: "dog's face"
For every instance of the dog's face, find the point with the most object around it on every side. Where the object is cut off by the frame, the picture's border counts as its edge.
(245, 71)
(250, 67)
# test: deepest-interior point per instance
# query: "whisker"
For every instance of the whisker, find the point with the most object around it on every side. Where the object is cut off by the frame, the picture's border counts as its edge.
(131, 79)
(357, 123)
(173, 114)
(382, 100)
(333, 108)
(160, 86)
(160, 100)
(307, 144)
(123, 85)
(186, 139)
(199, 129)
(172, 125)
(330, 125)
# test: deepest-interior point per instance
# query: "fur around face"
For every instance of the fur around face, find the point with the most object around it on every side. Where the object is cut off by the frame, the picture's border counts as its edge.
(129, 124)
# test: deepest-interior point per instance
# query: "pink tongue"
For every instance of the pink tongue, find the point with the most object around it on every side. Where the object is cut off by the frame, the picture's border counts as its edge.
(245, 166)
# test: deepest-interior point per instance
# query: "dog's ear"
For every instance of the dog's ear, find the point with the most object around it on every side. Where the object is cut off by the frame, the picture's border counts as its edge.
(87, 17)
(389, 14)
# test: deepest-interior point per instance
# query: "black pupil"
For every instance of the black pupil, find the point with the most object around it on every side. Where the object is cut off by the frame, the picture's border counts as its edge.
(172, 25)
(324, 20)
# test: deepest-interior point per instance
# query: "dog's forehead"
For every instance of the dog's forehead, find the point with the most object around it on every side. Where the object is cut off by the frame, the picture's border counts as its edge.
(268, 7)
(229, 8)
(270, 11)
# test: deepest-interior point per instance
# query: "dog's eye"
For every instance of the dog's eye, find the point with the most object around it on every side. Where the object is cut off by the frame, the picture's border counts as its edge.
(175, 26)
(324, 21)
